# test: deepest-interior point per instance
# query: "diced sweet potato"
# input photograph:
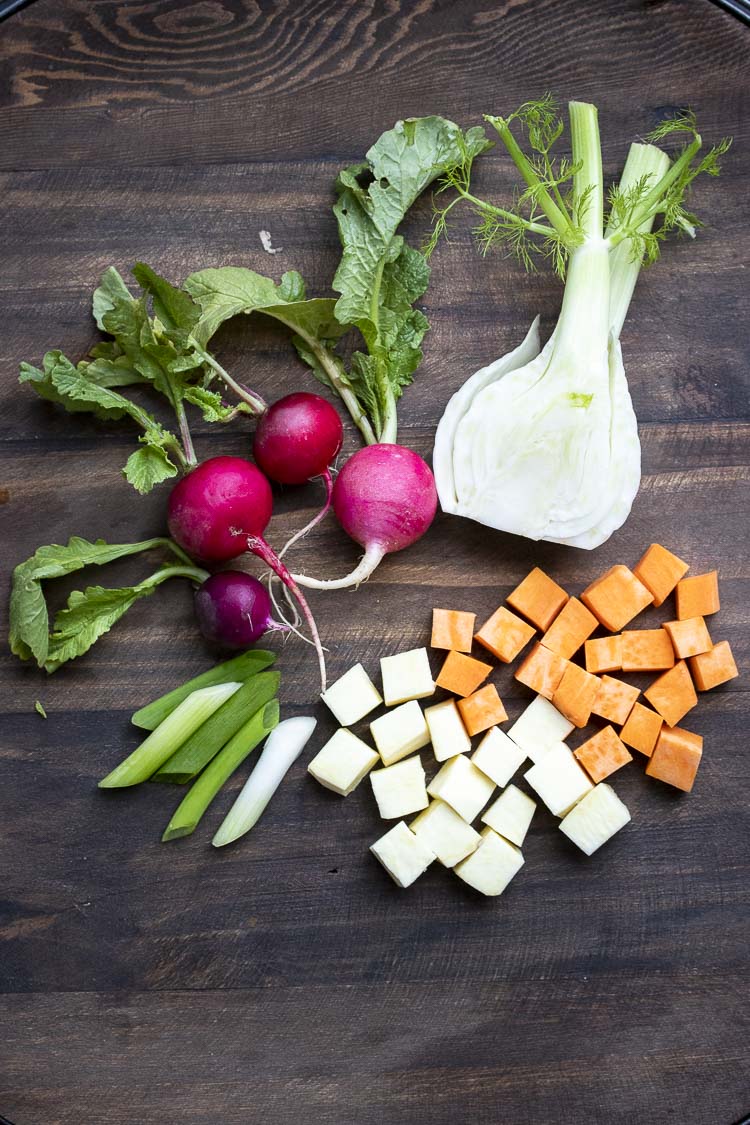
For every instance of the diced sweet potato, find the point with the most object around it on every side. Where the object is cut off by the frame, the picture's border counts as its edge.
(575, 694)
(462, 674)
(646, 650)
(504, 634)
(572, 626)
(689, 637)
(641, 729)
(602, 754)
(541, 671)
(698, 596)
(482, 710)
(714, 667)
(616, 598)
(452, 629)
(538, 598)
(676, 757)
(614, 700)
(672, 694)
(660, 571)
(604, 654)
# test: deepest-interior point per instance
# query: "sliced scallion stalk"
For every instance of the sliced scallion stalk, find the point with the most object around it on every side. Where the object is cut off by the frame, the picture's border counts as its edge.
(240, 668)
(203, 790)
(184, 721)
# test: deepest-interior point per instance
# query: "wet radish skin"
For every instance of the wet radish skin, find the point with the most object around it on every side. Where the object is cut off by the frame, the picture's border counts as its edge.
(233, 609)
(385, 495)
(298, 438)
(213, 509)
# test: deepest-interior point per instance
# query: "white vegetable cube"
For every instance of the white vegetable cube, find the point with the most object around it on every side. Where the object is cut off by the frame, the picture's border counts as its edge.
(559, 780)
(539, 727)
(492, 866)
(447, 732)
(400, 789)
(595, 819)
(400, 732)
(445, 833)
(406, 676)
(498, 756)
(462, 786)
(510, 815)
(402, 854)
(342, 763)
(353, 696)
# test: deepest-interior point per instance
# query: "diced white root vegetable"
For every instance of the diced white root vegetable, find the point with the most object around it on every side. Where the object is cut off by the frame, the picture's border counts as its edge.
(353, 696)
(539, 727)
(445, 833)
(404, 856)
(400, 790)
(400, 732)
(595, 819)
(342, 763)
(447, 732)
(510, 815)
(498, 756)
(462, 786)
(406, 676)
(492, 866)
(559, 780)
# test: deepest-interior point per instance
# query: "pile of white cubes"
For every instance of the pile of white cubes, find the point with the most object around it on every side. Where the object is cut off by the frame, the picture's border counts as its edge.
(445, 809)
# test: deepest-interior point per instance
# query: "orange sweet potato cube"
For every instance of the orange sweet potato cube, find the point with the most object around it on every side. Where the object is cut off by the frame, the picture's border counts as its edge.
(482, 710)
(676, 757)
(616, 598)
(689, 637)
(575, 694)
(604, 654)
(614, 700)
(602, 754)
(541, 671)
(698, 596)
(714, 667)
(504, 634)
(452, 629)
(572, 626)
(641, 729)
(672, 694)
(538, 598)
(660, 571)
(462, 674)
(646, 650)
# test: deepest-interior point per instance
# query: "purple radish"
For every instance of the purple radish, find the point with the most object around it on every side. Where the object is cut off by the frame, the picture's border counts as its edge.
(220, 510)
(234, 610)
(385, 498)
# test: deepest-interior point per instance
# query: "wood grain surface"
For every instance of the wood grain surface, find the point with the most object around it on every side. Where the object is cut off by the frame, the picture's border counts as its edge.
(287, 979)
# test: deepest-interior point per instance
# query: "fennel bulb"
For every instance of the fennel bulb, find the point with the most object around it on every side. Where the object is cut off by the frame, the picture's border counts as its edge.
(544, 441)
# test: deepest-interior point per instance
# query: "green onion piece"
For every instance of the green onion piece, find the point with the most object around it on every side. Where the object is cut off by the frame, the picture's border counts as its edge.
(283, 746)
(202, 792)
(184, 721)
(206, 743)
(239, 668)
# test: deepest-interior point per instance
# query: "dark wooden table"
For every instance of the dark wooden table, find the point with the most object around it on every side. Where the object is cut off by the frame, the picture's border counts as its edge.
(288, 980)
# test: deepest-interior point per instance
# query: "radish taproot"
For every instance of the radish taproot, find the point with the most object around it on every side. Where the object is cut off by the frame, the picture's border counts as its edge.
(220, 510)
(297, 440)
(234, 610)
(385, 499)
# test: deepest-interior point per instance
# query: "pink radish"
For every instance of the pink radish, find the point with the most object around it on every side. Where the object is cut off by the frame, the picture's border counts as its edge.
(385, 498)
(298, 439)
(221, 509)
(234, 609)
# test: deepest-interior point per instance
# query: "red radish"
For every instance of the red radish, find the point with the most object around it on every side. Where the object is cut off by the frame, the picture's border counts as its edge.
(234, 609)
(385, 498)
(296, 440)
(221, 509)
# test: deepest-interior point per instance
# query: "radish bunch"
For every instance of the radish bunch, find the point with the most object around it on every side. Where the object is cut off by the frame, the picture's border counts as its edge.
(384, 498)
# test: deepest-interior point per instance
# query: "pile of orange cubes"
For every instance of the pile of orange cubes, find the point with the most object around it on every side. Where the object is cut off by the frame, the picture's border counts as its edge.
(681, 651)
